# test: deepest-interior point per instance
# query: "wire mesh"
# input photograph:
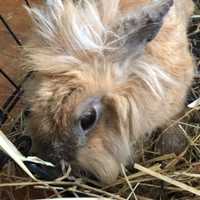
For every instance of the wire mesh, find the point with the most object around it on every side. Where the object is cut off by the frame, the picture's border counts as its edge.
(14, 97)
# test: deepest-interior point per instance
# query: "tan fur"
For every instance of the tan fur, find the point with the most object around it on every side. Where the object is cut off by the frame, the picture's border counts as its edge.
(137, 97)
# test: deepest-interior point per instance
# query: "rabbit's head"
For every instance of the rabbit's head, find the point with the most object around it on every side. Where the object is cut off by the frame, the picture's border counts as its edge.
(88, 62)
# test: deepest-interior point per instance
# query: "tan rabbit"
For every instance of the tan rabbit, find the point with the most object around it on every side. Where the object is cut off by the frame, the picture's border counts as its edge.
(107, 73)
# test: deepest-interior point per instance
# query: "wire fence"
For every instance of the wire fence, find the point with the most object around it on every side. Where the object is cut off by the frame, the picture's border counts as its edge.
(14, 97)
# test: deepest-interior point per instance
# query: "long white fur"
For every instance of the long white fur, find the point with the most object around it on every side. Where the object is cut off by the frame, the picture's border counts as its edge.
(74, 34)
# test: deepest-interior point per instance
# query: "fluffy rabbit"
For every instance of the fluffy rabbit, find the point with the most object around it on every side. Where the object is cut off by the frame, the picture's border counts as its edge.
(106, 73)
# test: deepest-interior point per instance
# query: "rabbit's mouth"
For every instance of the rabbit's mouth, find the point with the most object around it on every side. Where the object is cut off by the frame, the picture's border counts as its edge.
(101, 166)
(62, 169)
(64, 160)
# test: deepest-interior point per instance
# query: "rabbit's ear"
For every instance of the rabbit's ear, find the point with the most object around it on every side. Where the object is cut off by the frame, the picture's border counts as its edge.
(139, 27)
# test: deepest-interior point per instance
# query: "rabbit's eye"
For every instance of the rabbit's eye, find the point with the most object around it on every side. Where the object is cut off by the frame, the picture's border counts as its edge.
(88, 119)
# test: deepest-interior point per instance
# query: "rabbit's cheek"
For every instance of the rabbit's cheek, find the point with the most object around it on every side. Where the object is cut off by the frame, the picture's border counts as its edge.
(56, 151)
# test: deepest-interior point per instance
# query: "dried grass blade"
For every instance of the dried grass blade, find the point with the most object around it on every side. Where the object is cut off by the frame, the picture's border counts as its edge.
(167, 179)
(194, 103)
(7, 147)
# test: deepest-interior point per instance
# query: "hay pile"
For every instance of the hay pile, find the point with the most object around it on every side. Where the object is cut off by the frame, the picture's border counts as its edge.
(170, 176)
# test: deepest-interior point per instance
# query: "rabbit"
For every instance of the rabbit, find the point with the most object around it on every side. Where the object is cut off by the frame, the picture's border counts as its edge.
(106, 74)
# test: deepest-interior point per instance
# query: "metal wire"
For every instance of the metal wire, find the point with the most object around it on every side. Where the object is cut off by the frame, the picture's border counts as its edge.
(27, 3)
(14, 36)
(13, 98)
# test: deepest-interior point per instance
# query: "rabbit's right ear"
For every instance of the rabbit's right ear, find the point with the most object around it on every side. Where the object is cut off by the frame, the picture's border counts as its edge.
(139, 27)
